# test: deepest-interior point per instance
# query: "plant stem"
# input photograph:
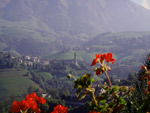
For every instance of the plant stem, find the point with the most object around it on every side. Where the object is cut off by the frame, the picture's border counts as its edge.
(94, 99)
(108, 78)
(74, 77)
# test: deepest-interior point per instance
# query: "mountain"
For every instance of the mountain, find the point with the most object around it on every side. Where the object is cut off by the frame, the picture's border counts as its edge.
(40, 27)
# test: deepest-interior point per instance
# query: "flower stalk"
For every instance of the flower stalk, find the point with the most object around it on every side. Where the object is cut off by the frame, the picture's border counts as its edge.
(108, 79)
(94, 99)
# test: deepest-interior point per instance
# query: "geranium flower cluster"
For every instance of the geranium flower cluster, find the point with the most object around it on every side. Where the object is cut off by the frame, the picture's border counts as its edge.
(146, 75)
(30, 103)
(94, 112)
(59, 109)
(102, 59)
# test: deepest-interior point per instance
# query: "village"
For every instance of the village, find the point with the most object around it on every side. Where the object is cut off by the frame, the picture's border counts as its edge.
(29, 61)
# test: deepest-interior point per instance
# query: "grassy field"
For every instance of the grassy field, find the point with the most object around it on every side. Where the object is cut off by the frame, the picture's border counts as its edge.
(45, 75)
(13, 82)
(13, 85)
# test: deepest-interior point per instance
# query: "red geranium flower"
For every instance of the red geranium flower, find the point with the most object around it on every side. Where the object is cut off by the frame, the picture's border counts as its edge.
(149, 58)
(31, 102)
(60, 109)
(143, 77)
(35, 98)
(97, 56)
(33, 106)
(42, 100)
(99, 71)
(147, 74)
(32, 97)
(17, 106)
(94, 112)
(103, 57)
(144, 67)
(109, 58)
(148, 83)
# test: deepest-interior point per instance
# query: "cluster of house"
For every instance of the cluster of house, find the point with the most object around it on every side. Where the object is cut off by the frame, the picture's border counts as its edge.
(30, 60)
(26, 60)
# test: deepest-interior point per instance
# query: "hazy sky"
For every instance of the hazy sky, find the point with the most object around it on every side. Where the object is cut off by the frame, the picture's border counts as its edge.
(144, 3)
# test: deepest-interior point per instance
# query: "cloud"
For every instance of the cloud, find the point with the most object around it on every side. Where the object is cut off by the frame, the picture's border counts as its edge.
(145, 4)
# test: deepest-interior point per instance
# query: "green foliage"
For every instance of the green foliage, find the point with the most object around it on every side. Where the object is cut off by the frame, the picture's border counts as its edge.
(139, 101)
(110, 99)
(65, 93)
(32, 89)
(82, 85)
(53, 92)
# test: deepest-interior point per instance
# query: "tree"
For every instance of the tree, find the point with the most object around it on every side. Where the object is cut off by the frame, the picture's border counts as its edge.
(32, 89)
(139, 102)
(65, 94)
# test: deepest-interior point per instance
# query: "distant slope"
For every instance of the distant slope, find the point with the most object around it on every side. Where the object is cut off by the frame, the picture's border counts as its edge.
(124, 45)
(13, 82)
(80, 16)
(27, 38)
(129, 49)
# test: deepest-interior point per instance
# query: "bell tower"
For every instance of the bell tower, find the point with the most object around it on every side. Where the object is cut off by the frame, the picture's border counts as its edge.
(75, 59)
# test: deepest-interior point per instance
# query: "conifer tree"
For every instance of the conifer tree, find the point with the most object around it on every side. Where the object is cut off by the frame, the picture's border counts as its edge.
(139, 102)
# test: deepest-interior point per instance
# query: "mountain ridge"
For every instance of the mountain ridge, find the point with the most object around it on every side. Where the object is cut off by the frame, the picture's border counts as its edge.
(71, 23)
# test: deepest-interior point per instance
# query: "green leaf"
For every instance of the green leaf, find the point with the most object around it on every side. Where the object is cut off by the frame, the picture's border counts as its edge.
(122, 101)
(114, 89)
(82, 96)
(102, 101)
(78, 90)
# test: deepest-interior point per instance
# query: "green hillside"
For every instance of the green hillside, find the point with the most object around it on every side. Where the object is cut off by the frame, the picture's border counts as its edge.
(17, 78)
(27, 37)
(40, 28)
(13, 82)
(129, 49)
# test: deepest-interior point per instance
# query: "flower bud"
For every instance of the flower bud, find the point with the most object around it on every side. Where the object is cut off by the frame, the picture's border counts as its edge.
(69, 75)
(95, 69)
(144, 67)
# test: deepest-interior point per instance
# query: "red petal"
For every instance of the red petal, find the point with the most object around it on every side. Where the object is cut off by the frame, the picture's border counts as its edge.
(109, 55)
(148, 83)
(143, 77)
(143, 67)
(15, 107)
(104, 56)
(146, 91)
(97, 56)
(93, 62)
(42, 100)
